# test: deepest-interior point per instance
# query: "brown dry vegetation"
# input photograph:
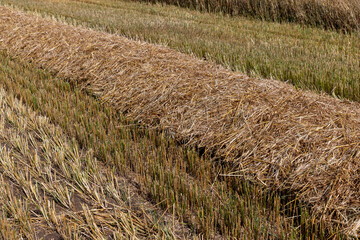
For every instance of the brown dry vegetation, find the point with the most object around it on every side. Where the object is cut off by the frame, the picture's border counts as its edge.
(267, 131)
(307, 57)
(175, 178)
(333, 14)
(52, 189)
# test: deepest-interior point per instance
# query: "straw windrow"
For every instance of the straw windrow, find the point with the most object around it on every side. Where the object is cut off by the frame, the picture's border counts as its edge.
(271, 133)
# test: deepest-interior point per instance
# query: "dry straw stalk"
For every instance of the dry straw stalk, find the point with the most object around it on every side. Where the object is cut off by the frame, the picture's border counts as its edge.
(330, 14)
(276, 135)
(51, 189)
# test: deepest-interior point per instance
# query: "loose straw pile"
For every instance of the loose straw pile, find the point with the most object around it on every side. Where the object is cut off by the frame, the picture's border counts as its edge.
(277, 135)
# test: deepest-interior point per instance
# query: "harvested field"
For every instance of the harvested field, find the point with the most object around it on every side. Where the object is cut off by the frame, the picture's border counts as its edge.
(269, 132)
(307, 57)
(52, 189)
(173, 177)
(334, 14)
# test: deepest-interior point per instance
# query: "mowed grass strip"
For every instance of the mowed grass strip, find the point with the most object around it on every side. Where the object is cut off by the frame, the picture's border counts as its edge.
(306, 57)
(265, 131)
(192, 188)
(52, 188)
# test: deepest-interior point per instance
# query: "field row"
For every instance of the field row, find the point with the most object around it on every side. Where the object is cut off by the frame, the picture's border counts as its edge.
(297, 148)
(261, 130)
(336, 14)
(308, 58)
(188, 188)
(51, 187)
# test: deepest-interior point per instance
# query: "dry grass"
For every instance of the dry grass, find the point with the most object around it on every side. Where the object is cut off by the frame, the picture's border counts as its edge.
(50, 188)
(269, 132)
(190, 187)
(333, 14)
(307, 57)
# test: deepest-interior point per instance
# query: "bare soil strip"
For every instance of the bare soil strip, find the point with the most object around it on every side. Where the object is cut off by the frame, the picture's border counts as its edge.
(274, 134)
(51, 189)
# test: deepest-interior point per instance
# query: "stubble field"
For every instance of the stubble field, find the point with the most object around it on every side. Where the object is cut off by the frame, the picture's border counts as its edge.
(142, 141)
